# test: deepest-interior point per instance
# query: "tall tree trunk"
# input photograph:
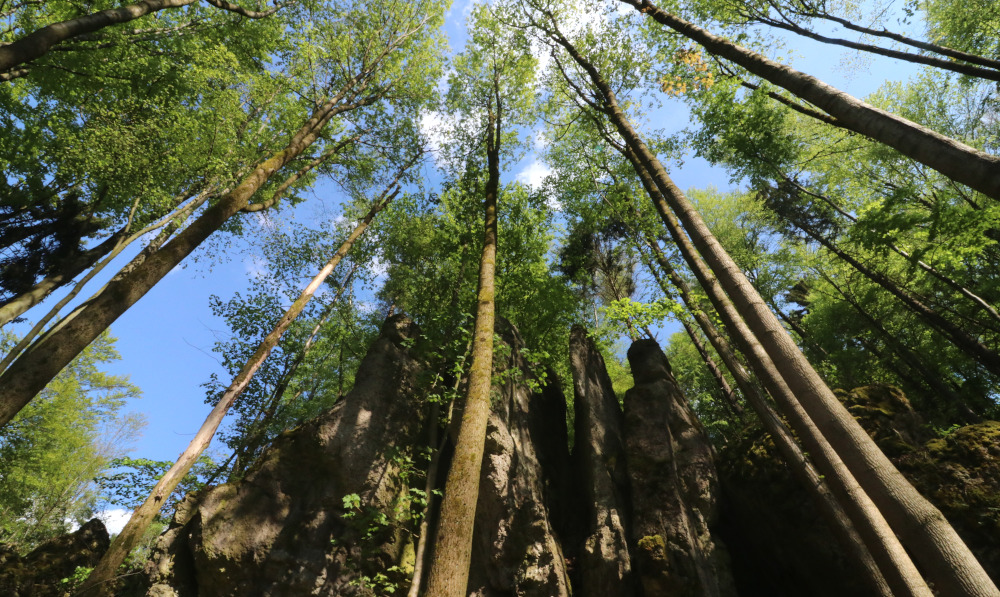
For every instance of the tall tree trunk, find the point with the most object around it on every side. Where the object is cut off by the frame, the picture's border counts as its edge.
(100, 579)
(449, 574)
(800, 465)
(952, 158)
(954, 559)
(948, 561)
(29, 374)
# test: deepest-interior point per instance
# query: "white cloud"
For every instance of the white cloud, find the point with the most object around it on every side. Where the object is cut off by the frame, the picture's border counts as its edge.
(115, 519)
(534, 175)
(255, 265)
(432, 125)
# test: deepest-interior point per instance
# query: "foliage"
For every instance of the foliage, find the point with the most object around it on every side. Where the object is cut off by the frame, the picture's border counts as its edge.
(52, 451)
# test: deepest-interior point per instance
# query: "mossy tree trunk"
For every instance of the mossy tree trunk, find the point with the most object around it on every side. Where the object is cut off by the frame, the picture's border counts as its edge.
(449, 574)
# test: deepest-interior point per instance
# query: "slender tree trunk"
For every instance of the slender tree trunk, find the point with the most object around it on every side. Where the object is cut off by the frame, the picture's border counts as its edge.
(955, 160)
(449, 574)
(916, 365)
(244, 455)
(29, 374)
(934, 542)
(100, 580)
(916, 43)
(956, 67)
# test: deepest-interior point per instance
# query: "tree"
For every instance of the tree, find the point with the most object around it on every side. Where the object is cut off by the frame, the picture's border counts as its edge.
(497, 90)
(406, 49)
(52, 451)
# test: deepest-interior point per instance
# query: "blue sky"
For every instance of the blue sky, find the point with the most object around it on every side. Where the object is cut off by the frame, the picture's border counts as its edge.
(166, 339)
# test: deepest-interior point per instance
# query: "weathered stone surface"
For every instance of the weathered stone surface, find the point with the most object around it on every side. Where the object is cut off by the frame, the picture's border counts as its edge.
(781, 545)
(603, 564)
(516, 547)
(284, 528)
(674, 486)
(41, 572)
(959, 470)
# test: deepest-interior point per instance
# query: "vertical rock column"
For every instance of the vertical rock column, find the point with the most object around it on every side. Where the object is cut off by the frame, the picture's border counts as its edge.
(603, 562)
(674, 486)
(286, 528)
(516, 548)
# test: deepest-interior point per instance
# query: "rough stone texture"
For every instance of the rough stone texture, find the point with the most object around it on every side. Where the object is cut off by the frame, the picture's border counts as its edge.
(41, 572)
(674, 486)
(781, 545)
(516, 547)
(958, 471)
(603, 564)
(282, 530)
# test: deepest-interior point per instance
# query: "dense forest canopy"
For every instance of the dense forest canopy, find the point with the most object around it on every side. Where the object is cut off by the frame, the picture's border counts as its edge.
(856, 243)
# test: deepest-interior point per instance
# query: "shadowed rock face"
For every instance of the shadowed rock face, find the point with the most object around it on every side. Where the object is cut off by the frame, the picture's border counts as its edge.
(674, 486)
(517, 549)
(630, 514)
(603, 564)
(40, 573)
(284, 529)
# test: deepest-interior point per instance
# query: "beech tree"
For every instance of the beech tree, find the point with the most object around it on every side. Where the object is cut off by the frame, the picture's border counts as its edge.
(407, 49)
(490, 87)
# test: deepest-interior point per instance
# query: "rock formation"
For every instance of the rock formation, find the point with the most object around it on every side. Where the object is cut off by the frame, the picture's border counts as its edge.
(516, 547)
(674, 486)
(325, 509)
(603, 561)
(49, 570)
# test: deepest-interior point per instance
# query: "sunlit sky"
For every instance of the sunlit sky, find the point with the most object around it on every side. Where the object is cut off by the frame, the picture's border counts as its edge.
(166, 339)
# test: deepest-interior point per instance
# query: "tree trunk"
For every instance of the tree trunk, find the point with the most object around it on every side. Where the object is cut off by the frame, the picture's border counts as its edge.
(948, 561)
(955, 160)
(893, 560)
(29, 374)
(449, 574)
(100, 579)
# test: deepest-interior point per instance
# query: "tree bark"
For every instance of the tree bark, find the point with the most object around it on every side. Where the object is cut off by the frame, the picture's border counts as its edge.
(449, 574)
(100, 579)
(955, 160)
(29, 374)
